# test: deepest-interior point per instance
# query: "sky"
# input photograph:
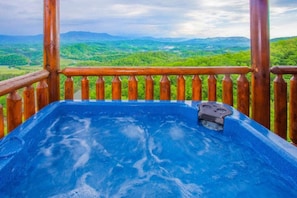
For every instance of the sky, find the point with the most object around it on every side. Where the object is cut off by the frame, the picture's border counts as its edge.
(166, 18)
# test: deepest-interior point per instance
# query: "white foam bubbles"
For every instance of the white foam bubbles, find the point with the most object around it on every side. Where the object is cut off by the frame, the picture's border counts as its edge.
(84, 156)
(155, 148)
(176, 133)
(82, 190)
(72, 136)
(139, 166)
(133, 131)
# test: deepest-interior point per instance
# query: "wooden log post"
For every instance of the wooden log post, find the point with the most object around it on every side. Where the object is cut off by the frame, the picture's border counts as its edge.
(196, 88)
(212, 88)
(181, 88)
(149, 88)
(29, 102)
(280, 106)
(14, 110)
(260, 61)
(69, 92)
(227, 90)
(85, 88)
(243, 95)
(116, 88)
(51, 47)
(132, 88)
(42, 94)
(165, 93)
(100, 88)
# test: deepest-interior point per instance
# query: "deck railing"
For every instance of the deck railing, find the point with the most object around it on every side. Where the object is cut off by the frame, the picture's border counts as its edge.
(283, 99)
(243, 90)
(17, 111)
(19, 108)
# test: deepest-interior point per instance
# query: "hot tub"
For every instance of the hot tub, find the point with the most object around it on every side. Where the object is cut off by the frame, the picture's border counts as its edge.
(144, 149)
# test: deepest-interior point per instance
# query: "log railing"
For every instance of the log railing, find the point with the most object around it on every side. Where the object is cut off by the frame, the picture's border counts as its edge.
(243, 90)
(283, 99)
(19, 108)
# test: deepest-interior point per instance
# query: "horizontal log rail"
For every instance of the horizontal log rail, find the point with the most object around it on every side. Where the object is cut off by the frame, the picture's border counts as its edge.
(284, 69)
(7, 86)
(18, 107)
(164, 84)
(121, 71)
(281, 99)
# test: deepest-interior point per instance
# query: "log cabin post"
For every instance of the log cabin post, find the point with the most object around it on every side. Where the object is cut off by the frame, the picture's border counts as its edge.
(51, 46)
(14, 110)
(259, 25)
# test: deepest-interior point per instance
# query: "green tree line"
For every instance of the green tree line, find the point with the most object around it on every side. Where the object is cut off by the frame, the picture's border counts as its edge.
(283, 52)
(14, 59)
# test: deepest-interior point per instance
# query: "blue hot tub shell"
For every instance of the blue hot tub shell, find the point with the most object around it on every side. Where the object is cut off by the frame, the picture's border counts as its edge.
(281, 154)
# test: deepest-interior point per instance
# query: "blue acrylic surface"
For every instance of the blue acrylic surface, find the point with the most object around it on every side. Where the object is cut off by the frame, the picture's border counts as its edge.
(143, 149)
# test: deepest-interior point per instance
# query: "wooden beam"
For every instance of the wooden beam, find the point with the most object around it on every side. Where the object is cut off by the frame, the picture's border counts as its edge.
(12, 84)
(51, 47)
(141, 70)
(260, 56)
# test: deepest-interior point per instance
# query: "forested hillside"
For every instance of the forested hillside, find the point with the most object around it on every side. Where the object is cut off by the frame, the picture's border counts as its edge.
(284, 52)
(149, 52)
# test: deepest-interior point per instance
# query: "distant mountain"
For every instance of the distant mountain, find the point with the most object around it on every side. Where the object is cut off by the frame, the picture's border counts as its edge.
(69, 37)
(232, 43)
(282, 38)
(219, 40)
(214, 43)
(10, 39)
(79, 36)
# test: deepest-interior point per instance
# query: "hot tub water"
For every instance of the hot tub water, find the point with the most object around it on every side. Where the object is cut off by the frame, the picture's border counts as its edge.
(152, 155)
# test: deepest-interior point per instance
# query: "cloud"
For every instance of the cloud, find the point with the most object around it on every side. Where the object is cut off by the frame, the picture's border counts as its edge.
(167, 18)
(283, 18)
(21, 17)
(157, 18)
(281, 3)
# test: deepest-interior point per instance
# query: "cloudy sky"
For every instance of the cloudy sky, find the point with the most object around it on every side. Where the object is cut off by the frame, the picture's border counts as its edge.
(167, 18)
